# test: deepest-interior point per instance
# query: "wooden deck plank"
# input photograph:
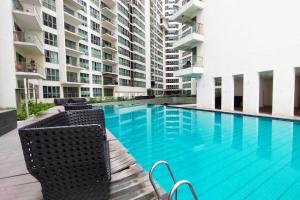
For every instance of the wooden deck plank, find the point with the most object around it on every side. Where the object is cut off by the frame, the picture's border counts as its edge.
(129, 181)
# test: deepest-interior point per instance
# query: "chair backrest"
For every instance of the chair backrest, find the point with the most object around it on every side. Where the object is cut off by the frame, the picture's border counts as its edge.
(59, 119)
(76, 106)
(64, 158)
(84, 117)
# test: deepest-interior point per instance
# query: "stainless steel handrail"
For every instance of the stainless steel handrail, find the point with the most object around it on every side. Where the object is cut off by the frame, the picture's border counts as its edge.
(177, 185)
(151, 175)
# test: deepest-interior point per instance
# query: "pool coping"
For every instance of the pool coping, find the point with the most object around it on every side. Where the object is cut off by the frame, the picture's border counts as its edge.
(193, 107)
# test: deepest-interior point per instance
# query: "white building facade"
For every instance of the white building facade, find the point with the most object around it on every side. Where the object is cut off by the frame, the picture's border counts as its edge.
(79, 48)
(250, 55)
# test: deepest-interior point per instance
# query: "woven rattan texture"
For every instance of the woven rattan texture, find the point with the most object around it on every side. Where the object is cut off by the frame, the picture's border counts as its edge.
(71, 162)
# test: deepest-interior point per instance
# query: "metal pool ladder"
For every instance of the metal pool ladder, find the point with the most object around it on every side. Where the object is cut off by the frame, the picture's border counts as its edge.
(176, 184)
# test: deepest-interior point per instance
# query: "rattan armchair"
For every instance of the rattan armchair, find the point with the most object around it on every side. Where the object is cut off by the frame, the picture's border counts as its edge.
(68, 154)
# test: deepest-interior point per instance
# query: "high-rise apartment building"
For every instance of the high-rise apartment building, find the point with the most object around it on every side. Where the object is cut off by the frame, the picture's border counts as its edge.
(83, 48)
(156, 46)
(176, 58)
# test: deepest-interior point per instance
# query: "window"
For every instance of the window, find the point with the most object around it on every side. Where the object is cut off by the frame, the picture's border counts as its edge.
(95, 13)
(72, 77)
(84, 78)
(50, 4)
(52, 74)
(96, 66)
(84, 63)
(70, 60)
(50, 39)
(83, 19)
(70, 44)
(49, 20)
(97, 92)
(124, 62)
(51, 92)
(51, 57)
(96, 53)
(97, 79)
(85, 92)
(83, 34)
(71, 92)
(84, 49)
(95, 40)
(124, 72)
(95, 26)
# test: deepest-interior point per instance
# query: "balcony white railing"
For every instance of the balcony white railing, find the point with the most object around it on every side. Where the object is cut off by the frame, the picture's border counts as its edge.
(20, 36)
(31, 67)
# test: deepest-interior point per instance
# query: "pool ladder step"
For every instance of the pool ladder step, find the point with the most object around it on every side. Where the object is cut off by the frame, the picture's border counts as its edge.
(177, 184)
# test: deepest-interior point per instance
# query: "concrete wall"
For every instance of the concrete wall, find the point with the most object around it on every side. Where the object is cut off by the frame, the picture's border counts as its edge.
(248, 37)
(7, 63)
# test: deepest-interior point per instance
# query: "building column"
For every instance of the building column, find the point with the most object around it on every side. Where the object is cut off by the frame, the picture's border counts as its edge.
(227, 93)
(283, 91)
(7, 61)
(251, 93)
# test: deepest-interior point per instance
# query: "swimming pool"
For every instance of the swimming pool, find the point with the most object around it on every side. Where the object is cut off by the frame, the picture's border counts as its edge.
(224, 156)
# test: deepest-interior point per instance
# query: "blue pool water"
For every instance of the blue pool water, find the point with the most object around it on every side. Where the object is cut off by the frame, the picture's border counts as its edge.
(224, 156)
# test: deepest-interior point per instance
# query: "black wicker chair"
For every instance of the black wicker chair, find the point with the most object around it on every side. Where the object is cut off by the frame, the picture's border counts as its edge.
(68, 154)
(77, 106)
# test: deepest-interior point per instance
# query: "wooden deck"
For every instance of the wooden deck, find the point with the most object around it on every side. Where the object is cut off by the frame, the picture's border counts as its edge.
(129, 181)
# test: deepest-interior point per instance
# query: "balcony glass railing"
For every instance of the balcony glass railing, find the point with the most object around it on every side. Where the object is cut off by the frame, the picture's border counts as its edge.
(72, 79)
(70, 11)
(109, 46)
(114, 82)
(20, 36)
(31, 67)
(196, 63)
(197, 28)
(109, 70)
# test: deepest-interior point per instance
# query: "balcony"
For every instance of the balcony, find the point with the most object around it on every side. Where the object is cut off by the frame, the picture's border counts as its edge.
(72, 79)
(108, 25)
(75, 4)
(164, 23)
(109, 61)
(73, 50)
(110, 37)
(108, 12)
(28, 42)
(110, 83)
(28, 18)
(73, 67)
(190, 38)
(30, 70)
(111, 49)
(72, 33)
(110, 3)
(187, 10)
(109, 71)
(191, 70)
(71, 16)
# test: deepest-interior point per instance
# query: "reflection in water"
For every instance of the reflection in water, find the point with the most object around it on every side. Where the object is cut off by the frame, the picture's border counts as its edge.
(218, 129)
(295, 163)
(238, 126)
(222, 154)
(264, 143)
